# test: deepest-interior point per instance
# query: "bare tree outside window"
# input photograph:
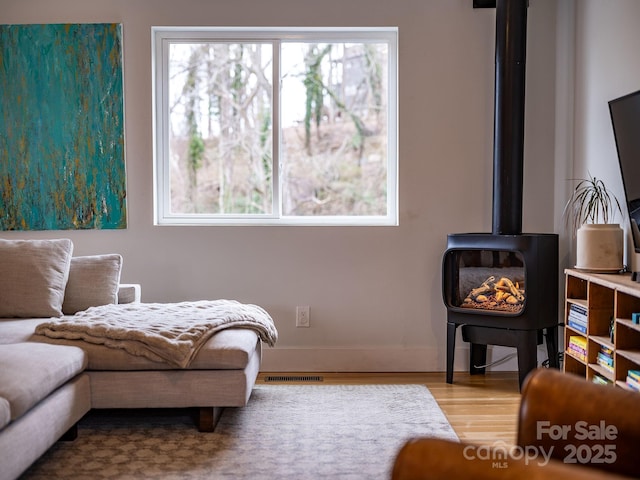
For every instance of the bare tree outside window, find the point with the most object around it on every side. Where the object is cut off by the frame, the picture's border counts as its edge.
(220, 139)
(333, 150)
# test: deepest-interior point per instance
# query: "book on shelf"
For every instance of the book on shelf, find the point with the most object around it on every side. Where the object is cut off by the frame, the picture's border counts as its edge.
(605, 358)
(605, 363)
(581, 327)
(635, 374)
(577, 317)
(606, 350)
(578, 309)
(633, 383)
(608, 357)
(599, 379)
(578, 341)
(579, 354)
(577, 349)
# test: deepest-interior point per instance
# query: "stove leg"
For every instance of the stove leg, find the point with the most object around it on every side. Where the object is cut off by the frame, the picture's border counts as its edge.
(551, 337)
(527, 353)
(477, 359)
(451, 348)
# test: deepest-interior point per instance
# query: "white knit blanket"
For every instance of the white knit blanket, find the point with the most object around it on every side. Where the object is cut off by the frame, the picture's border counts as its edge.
(162, 332)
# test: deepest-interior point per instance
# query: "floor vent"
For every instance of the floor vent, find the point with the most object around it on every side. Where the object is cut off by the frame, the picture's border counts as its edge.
(294, 378)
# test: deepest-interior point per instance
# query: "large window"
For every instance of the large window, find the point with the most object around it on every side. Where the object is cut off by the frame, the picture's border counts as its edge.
(275, 126)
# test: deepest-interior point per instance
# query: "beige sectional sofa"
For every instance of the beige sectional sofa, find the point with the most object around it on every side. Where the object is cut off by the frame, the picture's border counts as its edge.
(47, 385)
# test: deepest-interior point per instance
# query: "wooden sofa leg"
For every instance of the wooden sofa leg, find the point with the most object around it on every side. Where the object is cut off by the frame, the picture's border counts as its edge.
(71, 434)
(208, 418)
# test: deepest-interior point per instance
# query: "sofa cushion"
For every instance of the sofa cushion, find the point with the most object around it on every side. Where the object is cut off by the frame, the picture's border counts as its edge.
(34, 277)
(93, 281)
(17, 330)
(5, 412)
(228, 349)
(29, 372)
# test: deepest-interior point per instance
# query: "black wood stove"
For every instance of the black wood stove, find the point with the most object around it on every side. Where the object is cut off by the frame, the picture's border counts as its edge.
(501, 287)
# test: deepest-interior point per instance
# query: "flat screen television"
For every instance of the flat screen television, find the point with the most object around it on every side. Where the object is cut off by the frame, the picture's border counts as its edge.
(625, 117)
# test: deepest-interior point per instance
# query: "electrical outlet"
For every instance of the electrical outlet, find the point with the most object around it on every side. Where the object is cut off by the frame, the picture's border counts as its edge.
(302, 316)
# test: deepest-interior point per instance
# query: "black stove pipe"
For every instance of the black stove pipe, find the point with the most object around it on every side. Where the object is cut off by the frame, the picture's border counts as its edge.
(508, 134)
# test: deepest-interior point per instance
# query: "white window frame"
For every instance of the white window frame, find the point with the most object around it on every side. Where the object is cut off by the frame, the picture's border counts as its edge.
(162, 37)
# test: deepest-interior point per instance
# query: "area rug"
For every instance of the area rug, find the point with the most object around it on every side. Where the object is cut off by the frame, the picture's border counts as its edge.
(285, 432)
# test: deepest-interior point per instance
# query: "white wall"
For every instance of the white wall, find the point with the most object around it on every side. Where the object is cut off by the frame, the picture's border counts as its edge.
(607, 67)
(375, 293)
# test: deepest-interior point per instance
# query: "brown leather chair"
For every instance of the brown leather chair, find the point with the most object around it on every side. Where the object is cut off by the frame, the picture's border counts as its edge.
(562, 419)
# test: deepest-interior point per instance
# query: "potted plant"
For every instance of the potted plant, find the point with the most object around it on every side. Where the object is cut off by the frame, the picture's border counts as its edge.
(599, 243)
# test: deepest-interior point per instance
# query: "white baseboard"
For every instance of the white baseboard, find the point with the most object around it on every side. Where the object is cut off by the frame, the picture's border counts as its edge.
(416, 359)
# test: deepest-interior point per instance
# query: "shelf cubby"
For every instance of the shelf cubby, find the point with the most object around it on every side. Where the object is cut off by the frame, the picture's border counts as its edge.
(609, 300)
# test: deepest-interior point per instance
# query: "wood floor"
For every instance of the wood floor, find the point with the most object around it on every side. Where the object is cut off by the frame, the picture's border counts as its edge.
(482, 409)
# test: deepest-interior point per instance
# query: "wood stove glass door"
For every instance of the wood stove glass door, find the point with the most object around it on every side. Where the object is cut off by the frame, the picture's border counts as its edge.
(486, 281)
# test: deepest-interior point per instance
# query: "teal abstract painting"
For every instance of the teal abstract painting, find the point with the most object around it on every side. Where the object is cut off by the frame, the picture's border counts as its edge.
(62, 162)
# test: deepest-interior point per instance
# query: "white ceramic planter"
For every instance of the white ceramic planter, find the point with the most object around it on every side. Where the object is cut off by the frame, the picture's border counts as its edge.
(600, 247)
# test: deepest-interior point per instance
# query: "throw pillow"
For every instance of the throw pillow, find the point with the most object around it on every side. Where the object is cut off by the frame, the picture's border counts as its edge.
(33, 276)
(93, 281)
